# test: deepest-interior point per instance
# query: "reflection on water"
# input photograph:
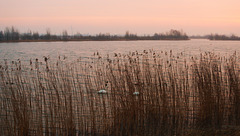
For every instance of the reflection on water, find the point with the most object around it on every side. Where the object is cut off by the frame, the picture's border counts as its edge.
(73, 50)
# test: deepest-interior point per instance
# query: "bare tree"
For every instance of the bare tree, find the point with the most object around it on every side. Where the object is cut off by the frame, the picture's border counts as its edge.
(48, 34)
(1, 36)
(35, 36)
(64, 35)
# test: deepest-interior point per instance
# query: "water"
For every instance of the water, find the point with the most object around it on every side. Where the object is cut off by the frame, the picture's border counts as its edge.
(74, 50)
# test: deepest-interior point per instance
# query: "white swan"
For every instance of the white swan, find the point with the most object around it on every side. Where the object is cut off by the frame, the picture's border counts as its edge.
(102, 92)
(136, 93)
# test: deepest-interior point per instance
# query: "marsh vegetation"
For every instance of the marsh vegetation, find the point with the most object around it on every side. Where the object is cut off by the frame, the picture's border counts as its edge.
(147, 93)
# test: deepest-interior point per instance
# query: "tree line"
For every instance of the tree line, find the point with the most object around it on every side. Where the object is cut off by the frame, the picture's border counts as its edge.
(11, 34)
(223, 37)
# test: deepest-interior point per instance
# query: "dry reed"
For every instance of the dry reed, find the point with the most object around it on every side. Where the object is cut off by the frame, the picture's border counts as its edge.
(148, 93)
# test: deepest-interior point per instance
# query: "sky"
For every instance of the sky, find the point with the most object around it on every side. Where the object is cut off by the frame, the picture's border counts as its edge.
(195, 17)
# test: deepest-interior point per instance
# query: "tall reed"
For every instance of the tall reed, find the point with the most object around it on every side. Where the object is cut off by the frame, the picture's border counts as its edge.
(148, 93)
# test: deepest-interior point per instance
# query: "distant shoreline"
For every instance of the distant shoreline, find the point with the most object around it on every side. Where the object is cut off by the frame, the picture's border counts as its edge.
(10, 35)
(82, 40)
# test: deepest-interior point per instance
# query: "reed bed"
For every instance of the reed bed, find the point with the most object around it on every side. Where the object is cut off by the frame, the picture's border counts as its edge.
(147, 93)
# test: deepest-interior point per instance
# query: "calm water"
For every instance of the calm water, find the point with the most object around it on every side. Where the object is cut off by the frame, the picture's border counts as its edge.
(74, 50)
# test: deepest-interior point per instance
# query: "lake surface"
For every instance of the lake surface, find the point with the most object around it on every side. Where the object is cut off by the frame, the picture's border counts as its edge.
(74, 50)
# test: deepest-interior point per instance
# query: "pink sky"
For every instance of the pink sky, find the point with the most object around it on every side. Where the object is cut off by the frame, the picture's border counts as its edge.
(118, 16)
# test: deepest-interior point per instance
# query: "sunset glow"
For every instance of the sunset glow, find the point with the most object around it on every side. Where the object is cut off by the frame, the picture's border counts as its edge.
(116, 17)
